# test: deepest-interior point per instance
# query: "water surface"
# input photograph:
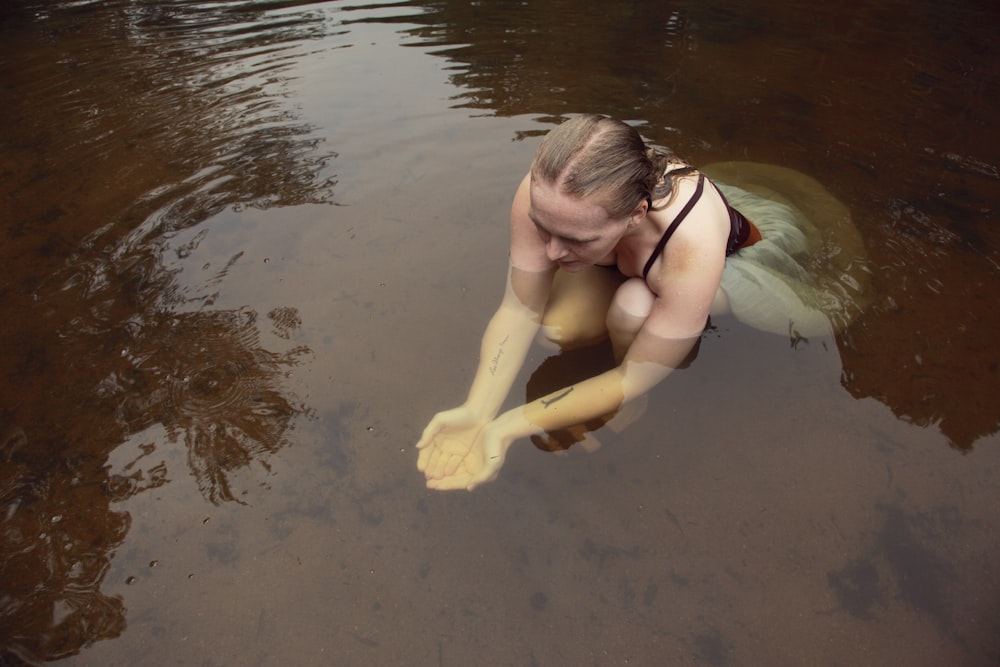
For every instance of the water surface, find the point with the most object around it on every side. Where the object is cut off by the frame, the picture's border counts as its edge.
(250, 248)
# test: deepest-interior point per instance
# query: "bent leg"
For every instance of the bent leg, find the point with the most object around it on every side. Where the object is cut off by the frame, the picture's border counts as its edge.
(628, 312)
(576, 313)
(629, 309)
(575, 318)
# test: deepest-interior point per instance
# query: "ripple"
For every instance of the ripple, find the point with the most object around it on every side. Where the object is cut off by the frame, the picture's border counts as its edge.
(214, 390)
(216, 372)
(286, 320)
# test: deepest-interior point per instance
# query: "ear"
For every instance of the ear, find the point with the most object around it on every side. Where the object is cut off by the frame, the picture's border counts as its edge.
(638, 214)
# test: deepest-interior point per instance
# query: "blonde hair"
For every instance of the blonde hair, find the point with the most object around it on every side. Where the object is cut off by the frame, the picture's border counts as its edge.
(597, 156)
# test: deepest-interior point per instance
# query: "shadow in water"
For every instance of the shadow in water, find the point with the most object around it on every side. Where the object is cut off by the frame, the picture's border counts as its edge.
(900, 566)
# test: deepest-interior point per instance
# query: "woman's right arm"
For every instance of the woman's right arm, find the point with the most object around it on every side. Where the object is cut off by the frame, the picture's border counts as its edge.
(508, 337)
(512, 329)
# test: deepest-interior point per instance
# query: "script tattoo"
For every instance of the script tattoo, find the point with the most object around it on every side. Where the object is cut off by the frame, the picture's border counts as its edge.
(556, 398)
(495, 361)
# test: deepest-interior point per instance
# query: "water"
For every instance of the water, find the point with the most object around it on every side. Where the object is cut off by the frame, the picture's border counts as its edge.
(249, 249)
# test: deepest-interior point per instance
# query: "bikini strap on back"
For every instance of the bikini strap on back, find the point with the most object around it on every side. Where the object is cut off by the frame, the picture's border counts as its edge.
(673, 225)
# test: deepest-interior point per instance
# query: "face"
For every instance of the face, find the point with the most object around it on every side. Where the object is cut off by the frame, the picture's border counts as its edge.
(577, 233)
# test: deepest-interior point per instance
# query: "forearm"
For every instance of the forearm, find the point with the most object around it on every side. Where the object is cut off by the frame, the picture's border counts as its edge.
(596, 396)
(507, 339)
(505, 345)
(574, 404)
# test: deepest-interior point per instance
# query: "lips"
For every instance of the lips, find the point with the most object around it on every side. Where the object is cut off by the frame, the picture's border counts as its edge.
(572, 265)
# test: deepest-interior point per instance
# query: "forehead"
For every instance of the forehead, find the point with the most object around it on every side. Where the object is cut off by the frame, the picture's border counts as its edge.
(558, 212)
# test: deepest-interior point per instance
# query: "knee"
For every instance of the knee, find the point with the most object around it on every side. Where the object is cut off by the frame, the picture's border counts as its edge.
(577, 309)
(572, 325)
(569, 336)
(631, 306)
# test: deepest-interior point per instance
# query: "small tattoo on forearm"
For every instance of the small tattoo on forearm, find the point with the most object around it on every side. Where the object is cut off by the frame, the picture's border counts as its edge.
(495, 361)
(556, 398)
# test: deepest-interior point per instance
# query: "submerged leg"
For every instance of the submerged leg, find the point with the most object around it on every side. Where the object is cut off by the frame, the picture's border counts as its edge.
(575, 321)
(577, 310)
(628, 312)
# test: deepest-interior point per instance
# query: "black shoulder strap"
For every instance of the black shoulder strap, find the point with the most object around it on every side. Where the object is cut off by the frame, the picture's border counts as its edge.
(673, 225)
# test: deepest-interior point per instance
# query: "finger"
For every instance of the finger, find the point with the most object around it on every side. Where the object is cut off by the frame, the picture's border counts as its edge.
(423, 458)
(452, 483)
(452, 465)
(432, 469)
(442, 464)
(428, 435)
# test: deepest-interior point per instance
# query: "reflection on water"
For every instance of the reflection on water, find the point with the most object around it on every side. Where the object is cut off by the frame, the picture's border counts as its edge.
(130, 365)
(204, 377)
(131, 128)
(59, 534)
(155, 155)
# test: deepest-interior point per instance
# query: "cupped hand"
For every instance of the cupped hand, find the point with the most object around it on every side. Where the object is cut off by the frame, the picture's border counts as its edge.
(481, 464)
(446, 441)
(458, 451)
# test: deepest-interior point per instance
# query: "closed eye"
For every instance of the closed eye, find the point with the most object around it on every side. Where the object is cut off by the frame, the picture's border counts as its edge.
(546, 235)
(542, 232)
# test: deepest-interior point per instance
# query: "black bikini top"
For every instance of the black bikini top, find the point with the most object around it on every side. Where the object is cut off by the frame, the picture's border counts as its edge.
(739, 226)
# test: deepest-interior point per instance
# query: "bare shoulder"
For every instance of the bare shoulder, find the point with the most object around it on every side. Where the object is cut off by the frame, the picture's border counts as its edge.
(522, 200)
(698, 244)
(527, 250)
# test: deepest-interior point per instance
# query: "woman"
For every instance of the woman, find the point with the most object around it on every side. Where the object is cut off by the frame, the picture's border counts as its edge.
(608, 238)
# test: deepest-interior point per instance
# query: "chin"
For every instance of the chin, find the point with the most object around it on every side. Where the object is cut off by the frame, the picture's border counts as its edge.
(573, 267)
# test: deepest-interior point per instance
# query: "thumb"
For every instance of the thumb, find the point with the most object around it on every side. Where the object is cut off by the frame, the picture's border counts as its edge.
(432, 430)
(489, 471)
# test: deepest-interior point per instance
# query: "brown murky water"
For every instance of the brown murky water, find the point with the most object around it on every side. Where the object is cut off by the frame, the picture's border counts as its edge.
(249, 248)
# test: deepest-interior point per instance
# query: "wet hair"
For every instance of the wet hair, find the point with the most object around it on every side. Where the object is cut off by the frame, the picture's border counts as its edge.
(597, 156)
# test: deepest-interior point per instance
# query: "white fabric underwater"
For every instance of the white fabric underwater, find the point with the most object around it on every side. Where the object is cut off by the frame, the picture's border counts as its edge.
(805, 277)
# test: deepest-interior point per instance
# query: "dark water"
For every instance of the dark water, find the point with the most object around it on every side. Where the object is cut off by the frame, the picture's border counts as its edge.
(249, 249)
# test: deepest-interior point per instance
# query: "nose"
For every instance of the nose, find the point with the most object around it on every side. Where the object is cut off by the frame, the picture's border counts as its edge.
(555, 250)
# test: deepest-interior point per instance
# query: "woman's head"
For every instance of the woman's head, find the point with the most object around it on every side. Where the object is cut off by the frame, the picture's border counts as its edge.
(601, 159)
